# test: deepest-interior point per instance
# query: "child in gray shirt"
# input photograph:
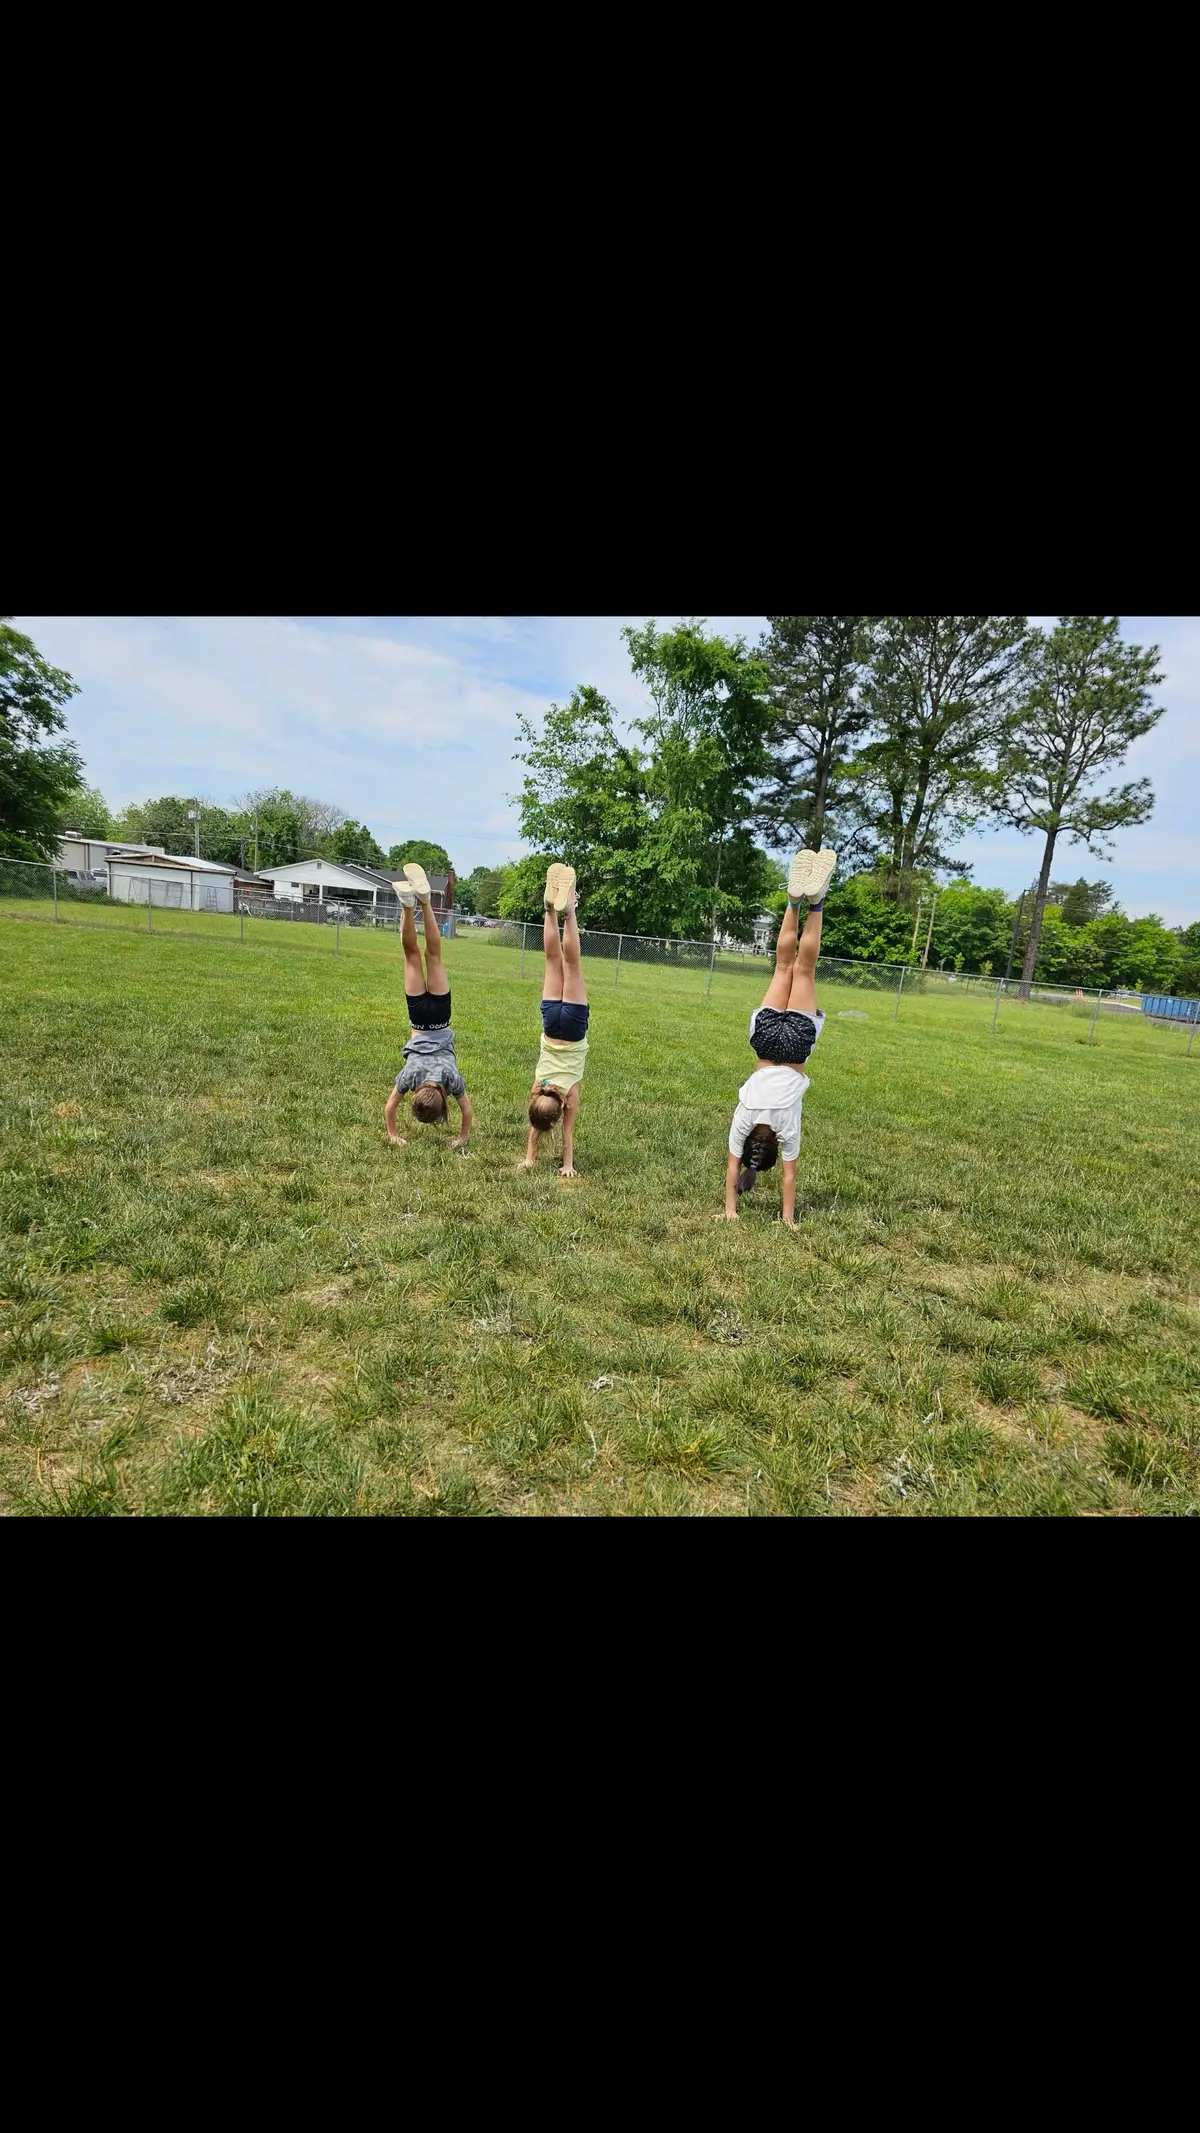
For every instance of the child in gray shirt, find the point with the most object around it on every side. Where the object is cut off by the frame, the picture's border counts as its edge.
(430, 1072)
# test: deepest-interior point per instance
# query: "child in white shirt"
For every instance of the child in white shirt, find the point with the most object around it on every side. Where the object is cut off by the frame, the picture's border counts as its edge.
(783, 1031)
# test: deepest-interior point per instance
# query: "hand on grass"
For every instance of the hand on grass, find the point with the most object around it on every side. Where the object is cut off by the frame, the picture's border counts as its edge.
(398, 1140)
(462, 1144)
(726, 1215)
(568, 1171)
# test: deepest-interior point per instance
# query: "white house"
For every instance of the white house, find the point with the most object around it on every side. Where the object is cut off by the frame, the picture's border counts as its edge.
(330, 880)
(176, 884)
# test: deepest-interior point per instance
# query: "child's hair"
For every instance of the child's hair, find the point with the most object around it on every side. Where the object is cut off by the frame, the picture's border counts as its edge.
(760, 1150)
(429, 1104)
(545, 1109)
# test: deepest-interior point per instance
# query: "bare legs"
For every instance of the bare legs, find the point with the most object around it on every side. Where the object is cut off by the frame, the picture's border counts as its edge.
(431, 978)
(794, 983)
(564, 978)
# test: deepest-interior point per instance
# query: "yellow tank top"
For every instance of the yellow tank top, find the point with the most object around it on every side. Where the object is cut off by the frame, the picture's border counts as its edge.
(561, 1065)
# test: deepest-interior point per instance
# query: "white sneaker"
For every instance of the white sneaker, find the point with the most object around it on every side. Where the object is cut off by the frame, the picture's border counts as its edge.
(811, 875)
(405, 895)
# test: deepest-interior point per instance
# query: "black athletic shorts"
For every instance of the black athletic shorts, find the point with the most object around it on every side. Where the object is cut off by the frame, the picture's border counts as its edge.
(428, 1010)
(565, 1019)
(783, 1034)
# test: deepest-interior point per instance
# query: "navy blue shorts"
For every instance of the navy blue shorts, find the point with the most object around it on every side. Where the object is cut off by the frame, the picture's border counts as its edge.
(565, 1019)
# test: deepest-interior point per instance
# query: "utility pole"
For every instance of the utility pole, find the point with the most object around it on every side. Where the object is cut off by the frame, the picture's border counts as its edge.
(929, 936)
(1012, 946)
(194, 816)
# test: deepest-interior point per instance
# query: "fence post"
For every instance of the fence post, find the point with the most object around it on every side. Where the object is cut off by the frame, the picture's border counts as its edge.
(1095, 1012)
(899, 990)
(1192, 1038)
(1000, 983)
(149, 904)
(712, 959)
(337, 933)
(524, 931)
(241, 925)
(54, 879)
(617, 970)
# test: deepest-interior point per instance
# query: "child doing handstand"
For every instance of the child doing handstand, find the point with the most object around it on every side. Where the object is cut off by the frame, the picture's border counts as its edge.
(555, 1091)
(430, 1071)
(783, 1031)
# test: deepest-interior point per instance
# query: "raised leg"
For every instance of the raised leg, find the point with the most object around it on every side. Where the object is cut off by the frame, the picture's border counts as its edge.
(573, 984)
(552, 984)
(436, 980)
(414, 973)
(803, 999)
(779, 991)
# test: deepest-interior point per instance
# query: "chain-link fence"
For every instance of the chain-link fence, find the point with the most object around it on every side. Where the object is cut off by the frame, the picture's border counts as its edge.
(725, 975)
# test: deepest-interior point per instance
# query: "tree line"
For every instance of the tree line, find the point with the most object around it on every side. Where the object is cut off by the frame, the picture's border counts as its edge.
(887, 736)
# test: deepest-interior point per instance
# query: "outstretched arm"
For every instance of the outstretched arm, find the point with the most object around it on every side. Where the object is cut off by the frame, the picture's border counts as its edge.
(395, 1103)
(788, 1193)
(465, 1117)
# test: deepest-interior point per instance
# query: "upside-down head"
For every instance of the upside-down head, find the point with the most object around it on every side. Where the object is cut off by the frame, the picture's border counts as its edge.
(429, 1104)
(760, 1151)
(545, 1108)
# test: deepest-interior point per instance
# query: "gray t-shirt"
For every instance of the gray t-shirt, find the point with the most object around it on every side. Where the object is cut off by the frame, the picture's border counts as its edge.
(429, 1056)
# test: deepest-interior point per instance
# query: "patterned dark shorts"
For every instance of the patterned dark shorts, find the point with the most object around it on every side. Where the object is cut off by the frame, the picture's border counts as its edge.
(782, 1034)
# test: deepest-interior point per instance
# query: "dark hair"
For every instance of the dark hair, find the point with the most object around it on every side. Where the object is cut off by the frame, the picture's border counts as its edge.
(760, 1151)
(429, 1104)
(545, 1109)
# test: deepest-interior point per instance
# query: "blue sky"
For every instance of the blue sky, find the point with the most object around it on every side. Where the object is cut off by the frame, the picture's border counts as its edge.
(409, 722)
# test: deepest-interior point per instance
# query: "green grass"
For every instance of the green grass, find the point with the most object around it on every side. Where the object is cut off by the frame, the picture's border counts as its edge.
(221, 1293)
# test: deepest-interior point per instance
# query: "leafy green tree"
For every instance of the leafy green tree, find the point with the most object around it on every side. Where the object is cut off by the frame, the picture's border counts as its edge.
(354, 845)
(167, 822)
(36, 773)
(483, 888)
(433, 857)
(85, 809)
(1086, 701)
(940, 690)
(276, 825)
(972, 928)
(522, 889)
(1080, 901)
(1069, 955)
(864, 921)
(1188, 975)
(1151, 957)
(816, 665)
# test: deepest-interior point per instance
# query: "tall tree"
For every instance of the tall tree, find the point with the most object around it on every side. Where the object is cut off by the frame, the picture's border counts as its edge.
(1080, 901)
(1087, 701)
(433, 857)
(940, 691)
(816, 665)
(708, 733)
(36, 773)
(85, 809)
(279, 825)
(354, 845)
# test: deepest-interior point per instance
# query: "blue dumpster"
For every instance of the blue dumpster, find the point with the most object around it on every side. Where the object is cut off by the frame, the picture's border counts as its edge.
(1169, 1008)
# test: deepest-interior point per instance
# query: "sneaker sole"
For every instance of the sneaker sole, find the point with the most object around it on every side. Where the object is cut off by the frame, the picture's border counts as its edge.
(405, 895)
(417, 879)
(811, 874)
(560, 880)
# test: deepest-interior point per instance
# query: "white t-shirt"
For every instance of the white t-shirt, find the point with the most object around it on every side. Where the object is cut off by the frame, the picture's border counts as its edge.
(772, 1097)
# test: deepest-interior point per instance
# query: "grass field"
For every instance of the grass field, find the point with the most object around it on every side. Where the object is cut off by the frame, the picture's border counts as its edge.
(220, 1291)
